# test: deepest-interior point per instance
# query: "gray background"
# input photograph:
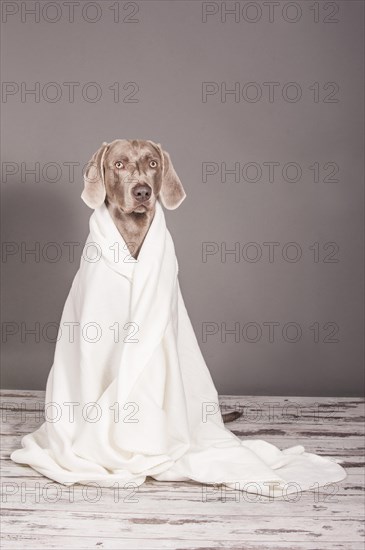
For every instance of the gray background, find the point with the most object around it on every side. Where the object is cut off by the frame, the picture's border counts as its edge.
(169, 52)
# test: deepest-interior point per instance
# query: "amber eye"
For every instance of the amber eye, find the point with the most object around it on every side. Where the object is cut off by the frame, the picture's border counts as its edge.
(119, 164)
(153, 164)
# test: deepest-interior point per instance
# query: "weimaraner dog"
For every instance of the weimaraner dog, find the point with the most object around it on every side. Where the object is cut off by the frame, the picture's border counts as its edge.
(129, 176)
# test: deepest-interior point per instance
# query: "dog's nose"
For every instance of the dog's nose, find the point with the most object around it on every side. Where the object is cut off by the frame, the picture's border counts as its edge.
(141, 192)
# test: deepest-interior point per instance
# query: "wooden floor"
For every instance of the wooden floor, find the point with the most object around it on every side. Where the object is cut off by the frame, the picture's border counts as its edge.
(186, 515)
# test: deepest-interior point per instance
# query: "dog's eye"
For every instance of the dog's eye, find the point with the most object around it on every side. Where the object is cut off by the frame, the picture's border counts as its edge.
(119, 164)
(153, 164)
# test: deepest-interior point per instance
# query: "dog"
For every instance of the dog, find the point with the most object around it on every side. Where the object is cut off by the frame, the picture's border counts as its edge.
(130, 176)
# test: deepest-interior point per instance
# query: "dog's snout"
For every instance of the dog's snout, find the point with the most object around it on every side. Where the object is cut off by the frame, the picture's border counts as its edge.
(141, 192)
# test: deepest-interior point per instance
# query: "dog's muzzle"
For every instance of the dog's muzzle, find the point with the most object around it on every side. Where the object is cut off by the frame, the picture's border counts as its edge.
(142, 192)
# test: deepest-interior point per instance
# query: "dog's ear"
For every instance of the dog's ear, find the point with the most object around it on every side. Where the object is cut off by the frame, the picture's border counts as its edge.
(172, 192)
(94, 192)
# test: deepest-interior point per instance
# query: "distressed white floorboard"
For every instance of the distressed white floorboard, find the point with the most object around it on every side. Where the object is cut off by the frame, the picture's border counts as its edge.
(40, 514)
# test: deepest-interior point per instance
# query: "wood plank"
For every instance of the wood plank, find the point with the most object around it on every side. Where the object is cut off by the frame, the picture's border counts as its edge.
(190, 515)
(262, 416)
(354, 464)
(21, 424)
(318, 445)
(255, 408)
(40, 494)
(86, 542)
(236, 527)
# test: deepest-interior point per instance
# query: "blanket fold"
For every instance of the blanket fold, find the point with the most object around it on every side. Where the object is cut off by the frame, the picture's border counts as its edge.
(129, 394)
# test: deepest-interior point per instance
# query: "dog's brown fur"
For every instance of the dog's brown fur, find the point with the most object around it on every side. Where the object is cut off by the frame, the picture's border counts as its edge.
(129, 176)
(116, 170)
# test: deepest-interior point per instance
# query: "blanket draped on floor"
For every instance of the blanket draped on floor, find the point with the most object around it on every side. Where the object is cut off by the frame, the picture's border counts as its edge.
(129, 394)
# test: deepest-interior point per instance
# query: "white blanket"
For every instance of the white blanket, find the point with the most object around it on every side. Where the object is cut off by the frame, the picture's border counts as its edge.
(129, 394)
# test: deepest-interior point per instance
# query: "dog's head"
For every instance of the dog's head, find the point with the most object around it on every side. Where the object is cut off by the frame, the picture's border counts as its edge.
(130, 175)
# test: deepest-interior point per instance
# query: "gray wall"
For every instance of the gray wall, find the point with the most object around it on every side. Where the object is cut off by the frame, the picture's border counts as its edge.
(313, 116)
